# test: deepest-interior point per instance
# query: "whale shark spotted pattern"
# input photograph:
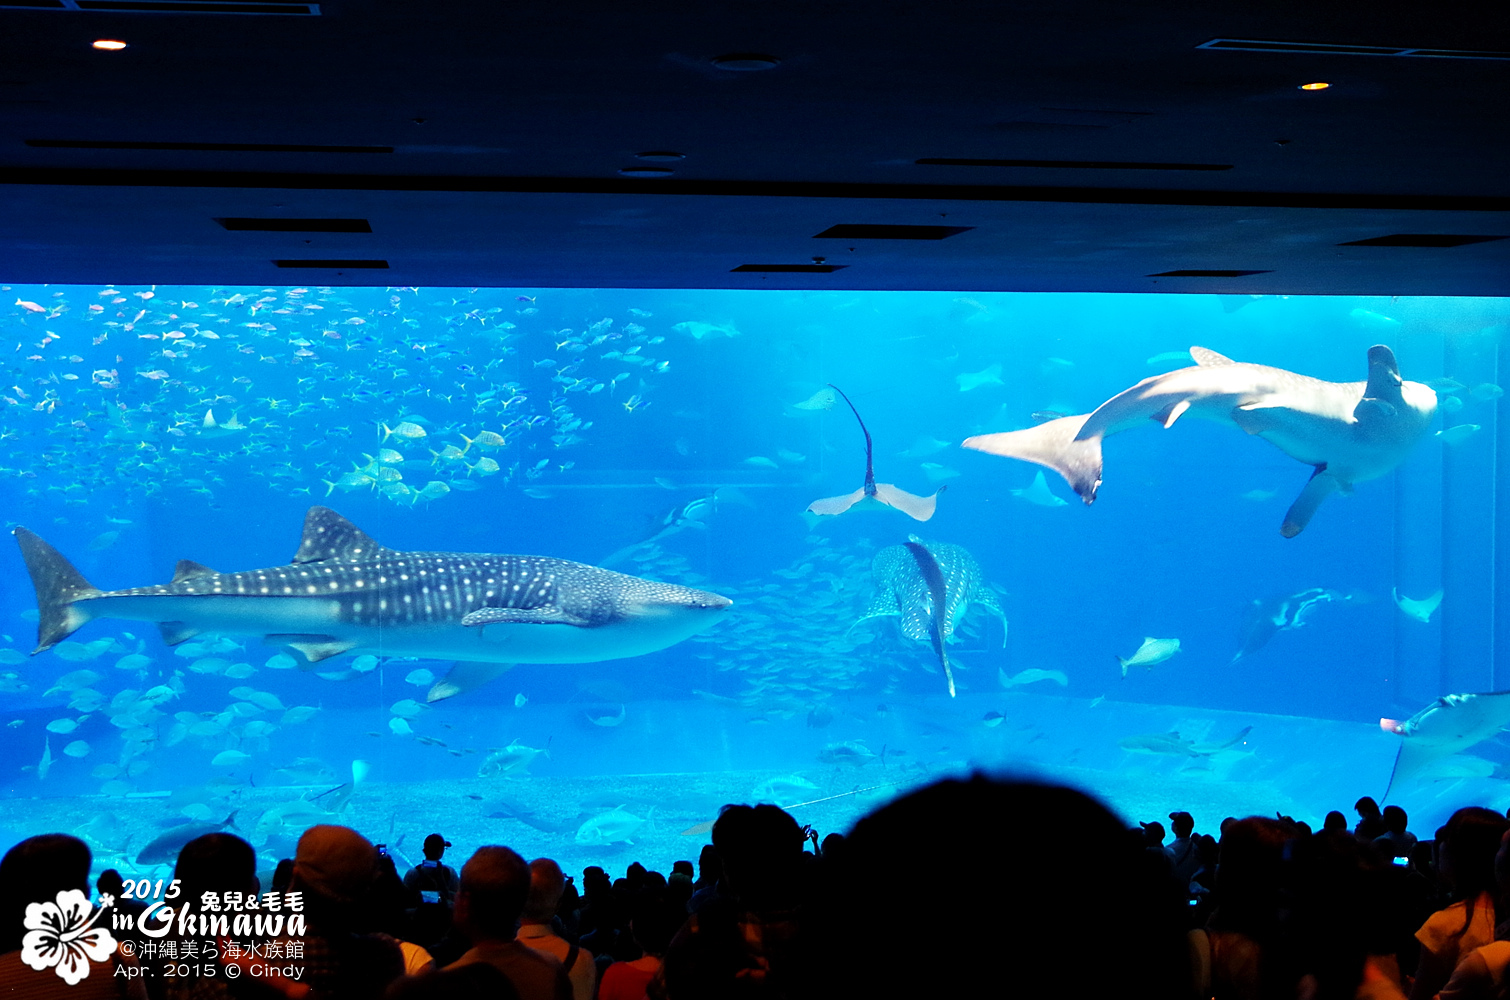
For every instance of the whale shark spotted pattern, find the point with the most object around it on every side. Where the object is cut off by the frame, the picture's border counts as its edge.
(1347, 431)
(345, 593)
(928, 587)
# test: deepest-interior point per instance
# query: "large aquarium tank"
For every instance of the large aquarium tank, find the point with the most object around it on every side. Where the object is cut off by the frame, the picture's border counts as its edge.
(249, 585)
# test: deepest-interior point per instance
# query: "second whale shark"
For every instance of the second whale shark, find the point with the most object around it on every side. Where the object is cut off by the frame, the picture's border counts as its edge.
(345, 593)
(1346, 431)
(928, 587)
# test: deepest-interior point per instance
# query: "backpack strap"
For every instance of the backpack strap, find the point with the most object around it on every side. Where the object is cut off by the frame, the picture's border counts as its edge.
(571, 957)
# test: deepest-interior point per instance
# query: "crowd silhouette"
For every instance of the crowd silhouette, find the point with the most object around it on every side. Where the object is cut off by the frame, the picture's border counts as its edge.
(966, 887)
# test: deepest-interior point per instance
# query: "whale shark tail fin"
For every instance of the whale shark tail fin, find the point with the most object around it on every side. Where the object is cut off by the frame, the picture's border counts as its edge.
(1318, 489)
(1055, 445)
(58, 586)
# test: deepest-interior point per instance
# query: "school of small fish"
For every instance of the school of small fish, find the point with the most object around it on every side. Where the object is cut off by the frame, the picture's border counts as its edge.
(310, 392)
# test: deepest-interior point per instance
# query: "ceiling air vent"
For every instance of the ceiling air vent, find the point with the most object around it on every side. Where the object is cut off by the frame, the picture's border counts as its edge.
(171, 6)
(296, 225)
(1327, 49)
(202, 147)
(1069, 119)
(1421, 240)
(957, 161)
(342, 265)
(789, 268)
(1198, 272)
(870, 232)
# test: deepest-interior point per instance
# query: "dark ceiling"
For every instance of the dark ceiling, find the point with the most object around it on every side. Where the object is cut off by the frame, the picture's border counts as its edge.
(488, 144)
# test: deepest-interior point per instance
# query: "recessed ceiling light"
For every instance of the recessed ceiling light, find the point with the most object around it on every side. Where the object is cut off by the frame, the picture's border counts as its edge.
(108, 44)
(1314, 86)
(660, 156)
(746, 62)
(646, 172)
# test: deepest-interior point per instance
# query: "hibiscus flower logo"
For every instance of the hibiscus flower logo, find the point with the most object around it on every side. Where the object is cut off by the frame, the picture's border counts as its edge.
(62, 935)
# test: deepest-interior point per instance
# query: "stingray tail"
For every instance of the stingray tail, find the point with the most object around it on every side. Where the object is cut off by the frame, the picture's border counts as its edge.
(1055, 445)
(870, 475)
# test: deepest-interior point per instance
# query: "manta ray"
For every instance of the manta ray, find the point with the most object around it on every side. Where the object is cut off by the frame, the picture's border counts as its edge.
(928, 588)
(1267, 617)
(345, 593)
(916, 507)
(1347, 431)
(1449, 725)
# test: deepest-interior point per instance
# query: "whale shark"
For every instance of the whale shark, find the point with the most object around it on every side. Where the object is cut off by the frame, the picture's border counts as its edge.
(345, 593)
(916, 507)
(1447, 726)
(928, 587)
(1347, 431)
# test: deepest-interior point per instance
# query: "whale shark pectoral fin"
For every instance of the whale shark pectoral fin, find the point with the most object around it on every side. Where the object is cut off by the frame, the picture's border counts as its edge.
(464, 676)
(916, 507)
(1207, 358)
(836, 505)
(989, 603)
(1169, 414)
(868, 616)
(523, 616)
(174, 633)
(314, 648)
(1318, 489)
(1371, 410)
(1054, 444)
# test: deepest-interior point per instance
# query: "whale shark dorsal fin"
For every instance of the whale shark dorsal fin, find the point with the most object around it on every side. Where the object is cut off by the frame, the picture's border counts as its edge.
(188, 569)
(1169, 414)
(328, 535)
(1207, 358)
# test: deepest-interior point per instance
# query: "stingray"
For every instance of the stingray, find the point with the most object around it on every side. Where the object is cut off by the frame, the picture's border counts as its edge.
(916, 507)
(928, 588)
(1449, 725)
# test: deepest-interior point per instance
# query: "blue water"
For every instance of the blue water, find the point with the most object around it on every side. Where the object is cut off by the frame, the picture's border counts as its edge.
(103, 452)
